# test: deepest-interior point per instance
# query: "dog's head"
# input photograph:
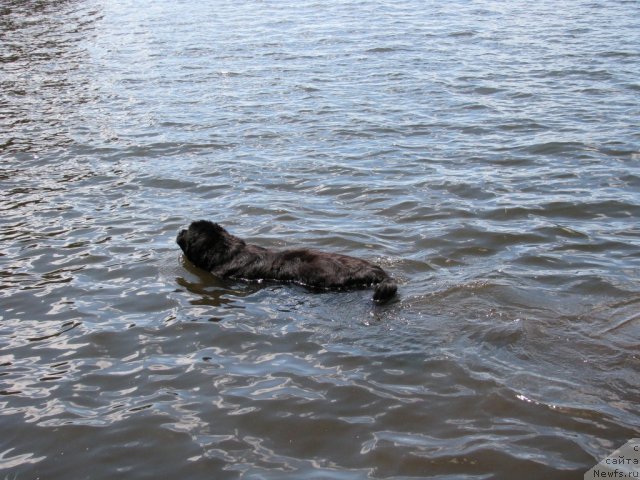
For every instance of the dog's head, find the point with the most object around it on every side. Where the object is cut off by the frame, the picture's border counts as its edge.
(207, 244)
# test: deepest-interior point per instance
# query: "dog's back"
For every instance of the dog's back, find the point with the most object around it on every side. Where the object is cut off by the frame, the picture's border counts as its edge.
(333, 271)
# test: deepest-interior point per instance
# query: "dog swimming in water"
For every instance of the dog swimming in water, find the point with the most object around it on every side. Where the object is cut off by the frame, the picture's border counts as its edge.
(210, 247)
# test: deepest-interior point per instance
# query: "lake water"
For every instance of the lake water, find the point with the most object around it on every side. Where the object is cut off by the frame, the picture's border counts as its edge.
(486, 154)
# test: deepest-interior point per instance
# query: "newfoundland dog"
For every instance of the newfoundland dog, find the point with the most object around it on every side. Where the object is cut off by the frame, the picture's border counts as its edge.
(209, 246)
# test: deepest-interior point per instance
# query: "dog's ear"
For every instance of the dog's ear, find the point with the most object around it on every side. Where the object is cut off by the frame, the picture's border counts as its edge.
(207, 228)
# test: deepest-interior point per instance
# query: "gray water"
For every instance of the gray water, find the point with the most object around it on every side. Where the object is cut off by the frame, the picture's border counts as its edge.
(486, 154)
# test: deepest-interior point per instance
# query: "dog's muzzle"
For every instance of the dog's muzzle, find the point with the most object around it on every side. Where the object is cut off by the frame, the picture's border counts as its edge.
(181, 239)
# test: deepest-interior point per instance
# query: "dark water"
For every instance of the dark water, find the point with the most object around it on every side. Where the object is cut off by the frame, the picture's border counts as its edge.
(487, 154)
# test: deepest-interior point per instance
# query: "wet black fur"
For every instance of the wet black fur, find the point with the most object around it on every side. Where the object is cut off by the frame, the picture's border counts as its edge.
(210, 247)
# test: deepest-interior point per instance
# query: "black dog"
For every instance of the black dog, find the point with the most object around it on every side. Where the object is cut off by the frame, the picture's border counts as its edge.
(209, 246)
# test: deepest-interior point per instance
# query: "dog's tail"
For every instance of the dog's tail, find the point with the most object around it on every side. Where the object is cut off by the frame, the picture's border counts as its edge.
(385, 290)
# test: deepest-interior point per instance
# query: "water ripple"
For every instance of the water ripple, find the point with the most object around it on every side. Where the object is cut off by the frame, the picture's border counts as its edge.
(486, 155)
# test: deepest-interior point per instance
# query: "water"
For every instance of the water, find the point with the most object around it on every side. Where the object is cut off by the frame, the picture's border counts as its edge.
(487, 154)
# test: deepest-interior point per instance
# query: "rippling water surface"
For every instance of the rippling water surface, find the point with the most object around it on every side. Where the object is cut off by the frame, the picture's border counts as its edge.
(487, 154)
